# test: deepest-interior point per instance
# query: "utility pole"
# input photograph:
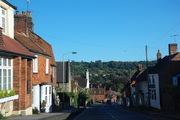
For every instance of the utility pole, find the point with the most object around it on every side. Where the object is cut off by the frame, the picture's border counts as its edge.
(147, 75)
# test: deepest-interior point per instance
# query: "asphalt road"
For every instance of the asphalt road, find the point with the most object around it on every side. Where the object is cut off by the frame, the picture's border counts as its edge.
(110, 112)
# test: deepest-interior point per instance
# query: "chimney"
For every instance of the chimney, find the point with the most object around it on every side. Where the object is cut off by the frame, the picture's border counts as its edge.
(159, 55)
(23, 22)
(172, 49)
(140, 67)
(1, 37)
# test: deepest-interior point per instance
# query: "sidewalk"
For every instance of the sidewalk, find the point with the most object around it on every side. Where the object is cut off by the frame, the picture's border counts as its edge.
(157, 115)
(46, 116)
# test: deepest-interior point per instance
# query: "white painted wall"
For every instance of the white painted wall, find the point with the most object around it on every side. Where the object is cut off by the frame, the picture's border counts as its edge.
(155, 103)
(9, 19)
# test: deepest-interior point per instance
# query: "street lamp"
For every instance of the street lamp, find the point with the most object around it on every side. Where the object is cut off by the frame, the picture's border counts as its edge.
(63, 70)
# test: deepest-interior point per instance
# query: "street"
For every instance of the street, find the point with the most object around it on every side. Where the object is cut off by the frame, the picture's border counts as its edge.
(110, 112)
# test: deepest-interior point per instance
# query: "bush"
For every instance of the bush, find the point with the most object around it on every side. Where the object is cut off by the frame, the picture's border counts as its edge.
(35, 110)
(2, 94)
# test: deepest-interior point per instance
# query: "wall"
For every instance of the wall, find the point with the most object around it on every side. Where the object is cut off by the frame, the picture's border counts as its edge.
(155, 102)
(9, 19)
(21, 71)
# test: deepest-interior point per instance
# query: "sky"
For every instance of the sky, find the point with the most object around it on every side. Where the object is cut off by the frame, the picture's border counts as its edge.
(106, 30)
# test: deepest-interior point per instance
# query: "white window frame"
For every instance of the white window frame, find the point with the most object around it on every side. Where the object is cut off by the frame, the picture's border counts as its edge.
(35, 64)
(47, 65)
(3, 19)
(6, 73)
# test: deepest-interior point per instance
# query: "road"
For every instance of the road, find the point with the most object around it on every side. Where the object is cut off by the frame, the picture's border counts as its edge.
(110, 112)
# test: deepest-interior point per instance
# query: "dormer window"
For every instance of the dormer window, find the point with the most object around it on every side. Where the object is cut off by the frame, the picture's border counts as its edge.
(3, 19)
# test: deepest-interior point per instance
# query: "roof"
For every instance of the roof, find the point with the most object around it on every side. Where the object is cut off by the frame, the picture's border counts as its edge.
(14, 47)
(43, 45)
(60, 71)
(82, 82)
(9, 4)
(162, 62)
(28, 43)
(36, 44)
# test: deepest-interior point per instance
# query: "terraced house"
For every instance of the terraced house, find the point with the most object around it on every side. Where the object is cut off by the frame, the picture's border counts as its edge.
(44, 65)
(15, 67)
(27, 64)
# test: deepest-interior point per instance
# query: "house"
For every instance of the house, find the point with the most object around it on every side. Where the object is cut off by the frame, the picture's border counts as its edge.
(162, 78)
(15, 67)
(64, 82)
(44, 65)
(111, 95)
(97, 93)
(141, 90)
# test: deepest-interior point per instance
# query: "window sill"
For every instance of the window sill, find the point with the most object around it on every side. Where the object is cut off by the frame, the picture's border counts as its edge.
(11, 98)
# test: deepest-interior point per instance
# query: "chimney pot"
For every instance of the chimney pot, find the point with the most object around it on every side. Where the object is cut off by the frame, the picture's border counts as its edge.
(159, 55)
(17, 12)
(23, 12)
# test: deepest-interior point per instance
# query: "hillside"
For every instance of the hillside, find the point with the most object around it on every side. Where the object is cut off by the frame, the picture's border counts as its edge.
(108, 73)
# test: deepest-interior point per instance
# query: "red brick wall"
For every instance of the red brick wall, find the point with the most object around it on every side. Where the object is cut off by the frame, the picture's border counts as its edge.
(22, 72)
(41, 76)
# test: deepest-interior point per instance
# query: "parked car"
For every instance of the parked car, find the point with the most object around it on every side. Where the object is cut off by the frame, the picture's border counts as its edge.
(118, 102)
(108, 102)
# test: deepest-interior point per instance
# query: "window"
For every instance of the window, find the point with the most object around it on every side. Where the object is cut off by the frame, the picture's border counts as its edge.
(153, 80)
(47, 65)
(6, 73)
(35, 64)
(3, 19)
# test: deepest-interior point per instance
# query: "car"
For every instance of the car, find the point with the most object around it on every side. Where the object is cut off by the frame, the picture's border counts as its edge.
(118, 102)
(108, 102)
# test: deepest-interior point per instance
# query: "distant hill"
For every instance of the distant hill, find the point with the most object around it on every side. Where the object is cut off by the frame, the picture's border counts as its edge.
(103, 71)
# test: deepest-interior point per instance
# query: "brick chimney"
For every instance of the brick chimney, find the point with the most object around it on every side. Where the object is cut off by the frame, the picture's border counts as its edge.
(172, 49)
(140, 67)
(23, 22)
(1, 37)
(159, 55)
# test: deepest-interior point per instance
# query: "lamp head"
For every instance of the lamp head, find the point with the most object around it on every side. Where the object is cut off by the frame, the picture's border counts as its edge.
(74, 52)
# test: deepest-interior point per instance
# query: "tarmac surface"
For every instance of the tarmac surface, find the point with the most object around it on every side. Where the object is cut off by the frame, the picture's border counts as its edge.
(66, 113)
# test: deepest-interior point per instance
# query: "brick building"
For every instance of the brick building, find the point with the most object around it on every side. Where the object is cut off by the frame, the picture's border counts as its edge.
(15, 66)
(44, 65)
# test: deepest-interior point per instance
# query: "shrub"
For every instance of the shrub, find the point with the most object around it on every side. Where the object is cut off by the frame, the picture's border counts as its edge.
(2, 94)
(35, 110)
(12, 92)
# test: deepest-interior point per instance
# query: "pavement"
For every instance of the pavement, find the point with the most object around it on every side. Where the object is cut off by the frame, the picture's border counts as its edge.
(157, 115)
(46, 116)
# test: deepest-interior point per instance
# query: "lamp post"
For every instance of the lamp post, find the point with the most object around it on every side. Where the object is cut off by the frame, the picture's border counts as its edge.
(63, 70)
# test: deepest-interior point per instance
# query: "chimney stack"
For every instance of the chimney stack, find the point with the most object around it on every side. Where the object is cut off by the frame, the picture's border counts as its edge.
(23, 22)
(1, 37)
(140, 67)
(159, 55)
(172, 49)
(87, 78)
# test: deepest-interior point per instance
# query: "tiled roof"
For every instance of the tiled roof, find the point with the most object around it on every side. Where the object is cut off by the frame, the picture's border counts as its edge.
(44, 45)
(12, 46)
(28, 43)
(36, 44)
(81, 81)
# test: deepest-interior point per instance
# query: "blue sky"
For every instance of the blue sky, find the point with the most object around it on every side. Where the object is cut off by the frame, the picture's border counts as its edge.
(106, 30)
